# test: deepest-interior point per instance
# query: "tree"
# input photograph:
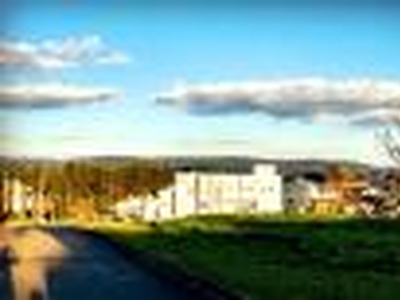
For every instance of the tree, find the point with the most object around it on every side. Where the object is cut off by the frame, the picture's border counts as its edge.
(347, 182)
(63, 186)
(390, 205)
(2, 193)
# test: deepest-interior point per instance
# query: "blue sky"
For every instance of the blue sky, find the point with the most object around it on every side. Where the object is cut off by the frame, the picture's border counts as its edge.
(160, 47)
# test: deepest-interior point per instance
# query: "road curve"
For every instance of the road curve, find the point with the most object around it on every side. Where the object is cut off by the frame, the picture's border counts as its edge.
(64, 264)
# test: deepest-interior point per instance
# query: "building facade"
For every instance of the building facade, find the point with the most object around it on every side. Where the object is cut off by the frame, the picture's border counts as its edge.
(202, 193)
(322, 198)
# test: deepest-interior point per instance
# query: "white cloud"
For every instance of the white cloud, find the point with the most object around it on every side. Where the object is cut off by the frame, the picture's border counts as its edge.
(114, 58)
(57, 54)
(53, 95)
(355, 100)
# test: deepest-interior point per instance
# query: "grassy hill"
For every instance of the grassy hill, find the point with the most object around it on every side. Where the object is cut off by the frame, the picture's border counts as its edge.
(278, 257)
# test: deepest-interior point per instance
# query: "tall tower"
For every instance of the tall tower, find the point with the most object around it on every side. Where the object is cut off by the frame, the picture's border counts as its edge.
(269, 189)
(186, 193)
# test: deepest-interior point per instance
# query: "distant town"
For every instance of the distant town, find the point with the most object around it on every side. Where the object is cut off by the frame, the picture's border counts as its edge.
(124, 188)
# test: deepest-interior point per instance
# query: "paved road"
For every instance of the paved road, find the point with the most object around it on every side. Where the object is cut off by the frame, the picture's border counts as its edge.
(62, 264)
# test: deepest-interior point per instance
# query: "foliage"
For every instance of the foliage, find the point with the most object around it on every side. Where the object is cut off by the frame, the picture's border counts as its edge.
(66, 183)
(389, 205)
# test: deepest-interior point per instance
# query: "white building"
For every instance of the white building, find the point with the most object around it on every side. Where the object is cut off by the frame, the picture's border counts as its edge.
(300, 194)
(200, 193)
(208, 193)
(297, 194)
(150, 207)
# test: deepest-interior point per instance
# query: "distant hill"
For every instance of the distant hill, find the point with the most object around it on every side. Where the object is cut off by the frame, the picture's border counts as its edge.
(230, 164)
(245, 165)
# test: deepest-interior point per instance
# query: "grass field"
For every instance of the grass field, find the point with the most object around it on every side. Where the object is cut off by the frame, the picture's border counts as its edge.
(280, 258)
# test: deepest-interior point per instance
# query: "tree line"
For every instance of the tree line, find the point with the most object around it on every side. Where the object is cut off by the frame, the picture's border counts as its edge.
(63, 187)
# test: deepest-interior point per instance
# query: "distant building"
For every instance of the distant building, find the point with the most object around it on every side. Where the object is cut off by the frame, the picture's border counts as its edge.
(298, 193)
(202, 193)
(150, 207)
(321, 198)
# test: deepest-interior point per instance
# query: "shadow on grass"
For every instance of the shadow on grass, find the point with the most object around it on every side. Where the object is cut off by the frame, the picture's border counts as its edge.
(281, 258)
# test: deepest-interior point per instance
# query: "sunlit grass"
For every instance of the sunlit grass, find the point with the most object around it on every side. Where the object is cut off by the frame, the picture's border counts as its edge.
(279, 257)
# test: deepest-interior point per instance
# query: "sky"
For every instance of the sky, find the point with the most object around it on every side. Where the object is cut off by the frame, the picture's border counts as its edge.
(253, 78)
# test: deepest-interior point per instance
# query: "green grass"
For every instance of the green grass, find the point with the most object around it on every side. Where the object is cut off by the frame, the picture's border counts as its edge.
(280, 257)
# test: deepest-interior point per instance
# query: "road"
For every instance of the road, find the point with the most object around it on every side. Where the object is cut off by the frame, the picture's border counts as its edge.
(63, 264)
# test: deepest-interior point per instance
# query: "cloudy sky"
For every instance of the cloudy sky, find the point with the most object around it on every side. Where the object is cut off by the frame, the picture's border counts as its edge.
(246, 78)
